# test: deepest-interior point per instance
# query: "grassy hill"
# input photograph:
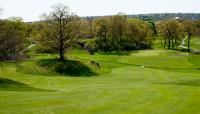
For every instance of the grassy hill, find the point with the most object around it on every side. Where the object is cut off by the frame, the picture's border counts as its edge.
(139, 82)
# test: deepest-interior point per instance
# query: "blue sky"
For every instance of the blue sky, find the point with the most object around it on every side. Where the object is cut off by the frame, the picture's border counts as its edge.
(30, 10)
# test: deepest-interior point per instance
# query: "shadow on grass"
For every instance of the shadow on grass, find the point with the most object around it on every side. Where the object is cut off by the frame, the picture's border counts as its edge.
(10, 85)
(184, 82)
(182, 49)
(117, 52)
(68, 67)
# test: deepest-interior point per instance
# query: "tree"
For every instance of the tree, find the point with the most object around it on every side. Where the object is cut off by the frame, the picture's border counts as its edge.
(197, 27)
(87, 27)
(118, 27)
(153, 28)
(110, 32)
(12, 35)
(90, 27)
(61, 28)
(189, 28)
(120, 33)
(171, 31)
(139, 34)
(102, 27)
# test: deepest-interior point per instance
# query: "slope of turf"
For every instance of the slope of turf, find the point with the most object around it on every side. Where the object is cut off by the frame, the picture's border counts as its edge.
(10, 85)
(137, 83)
(51, 67)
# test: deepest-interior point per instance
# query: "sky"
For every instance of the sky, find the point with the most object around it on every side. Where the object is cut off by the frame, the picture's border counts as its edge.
(30, 10)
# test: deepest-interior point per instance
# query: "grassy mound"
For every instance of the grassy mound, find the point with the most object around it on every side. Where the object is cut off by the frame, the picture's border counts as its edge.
(67, 67)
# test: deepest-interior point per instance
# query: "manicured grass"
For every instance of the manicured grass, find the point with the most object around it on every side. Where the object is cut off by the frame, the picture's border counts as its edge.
(195, 43)
(142, 82)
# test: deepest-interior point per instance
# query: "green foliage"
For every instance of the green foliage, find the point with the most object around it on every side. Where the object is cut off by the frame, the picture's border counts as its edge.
(89, 45)
(171, 32)
(12, 35)
(197, 27)
(120, 33)
(61, 29)
(140, 34)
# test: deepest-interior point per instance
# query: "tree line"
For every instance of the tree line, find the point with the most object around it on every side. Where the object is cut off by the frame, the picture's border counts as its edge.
(172, 32)
(60, 30)
(164, 16)
(118, 32)
(13, 35)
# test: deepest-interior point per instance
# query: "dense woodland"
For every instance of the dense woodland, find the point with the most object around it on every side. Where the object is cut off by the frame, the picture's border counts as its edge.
(60, 30)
